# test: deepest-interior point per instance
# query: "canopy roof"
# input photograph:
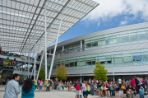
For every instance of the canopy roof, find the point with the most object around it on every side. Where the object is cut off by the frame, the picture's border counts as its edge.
(22, 21)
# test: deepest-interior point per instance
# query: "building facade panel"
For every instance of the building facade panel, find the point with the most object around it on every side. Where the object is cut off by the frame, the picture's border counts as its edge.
(122, 50)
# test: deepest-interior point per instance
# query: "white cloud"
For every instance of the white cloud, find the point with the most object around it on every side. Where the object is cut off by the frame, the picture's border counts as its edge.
(124, 22)
(111, 8)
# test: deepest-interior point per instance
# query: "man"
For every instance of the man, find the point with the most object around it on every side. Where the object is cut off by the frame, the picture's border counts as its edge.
(12, 89)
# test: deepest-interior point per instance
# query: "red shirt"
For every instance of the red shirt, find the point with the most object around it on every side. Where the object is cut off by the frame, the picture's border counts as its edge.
(78, 87)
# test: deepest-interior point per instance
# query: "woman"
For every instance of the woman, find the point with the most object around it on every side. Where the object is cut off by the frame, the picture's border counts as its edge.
(28, 89)
(84, 89)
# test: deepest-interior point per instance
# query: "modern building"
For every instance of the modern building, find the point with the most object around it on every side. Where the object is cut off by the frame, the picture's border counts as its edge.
(11, 62)
(122, 50)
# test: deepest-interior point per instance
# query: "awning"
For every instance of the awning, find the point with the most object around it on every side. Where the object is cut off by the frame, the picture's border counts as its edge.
(22, 21)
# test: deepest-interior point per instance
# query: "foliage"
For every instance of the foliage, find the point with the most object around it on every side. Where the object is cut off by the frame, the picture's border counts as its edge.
(100, 72)
(42, 74)
(61, 72)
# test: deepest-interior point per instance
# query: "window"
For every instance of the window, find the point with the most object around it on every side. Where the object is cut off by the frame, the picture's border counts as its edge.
(124, 39)
(118, 60)
(133, 37)
(101, 43)
(90, 62)
(94, 44)
(127, 59)
(143, 36)
(102, 62)
(81, 63)
(145, 57)
(88, 45)
(71, 64)
(67, 65)
(112, 41)
(137, 58)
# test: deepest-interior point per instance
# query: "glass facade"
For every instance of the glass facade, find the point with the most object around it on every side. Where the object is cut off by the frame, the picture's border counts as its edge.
(132, 58)
(107, 60)
(131, 36)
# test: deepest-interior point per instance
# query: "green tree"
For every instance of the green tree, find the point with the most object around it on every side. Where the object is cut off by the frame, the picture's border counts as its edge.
(42, 74)
(61, 72)
(100, 72)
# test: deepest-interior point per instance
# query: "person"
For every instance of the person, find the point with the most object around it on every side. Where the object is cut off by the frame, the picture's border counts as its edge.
(141, 92)
(84, 89)
(40, 84)
(28, 89)
(12, 89)
(78, 89)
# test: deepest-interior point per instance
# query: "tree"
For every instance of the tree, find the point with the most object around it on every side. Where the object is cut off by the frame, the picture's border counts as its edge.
(61, 72)
(42, 74)
(100, 72)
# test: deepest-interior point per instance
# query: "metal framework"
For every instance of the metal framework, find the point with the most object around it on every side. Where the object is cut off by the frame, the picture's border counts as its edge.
(32, 25)
(22, 21)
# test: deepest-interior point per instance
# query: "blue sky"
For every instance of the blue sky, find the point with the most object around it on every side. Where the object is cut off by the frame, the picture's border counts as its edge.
(109, 15)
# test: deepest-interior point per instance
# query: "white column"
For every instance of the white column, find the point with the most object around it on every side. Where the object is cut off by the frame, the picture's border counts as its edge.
(62, 48)
(34, 67)
(81, 46)
(42, 56)
(55, 47)
(45, 48)
(28, 66)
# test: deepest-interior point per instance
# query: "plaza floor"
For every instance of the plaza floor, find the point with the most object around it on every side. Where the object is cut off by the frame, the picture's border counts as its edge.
(57, 94)
(53, 94)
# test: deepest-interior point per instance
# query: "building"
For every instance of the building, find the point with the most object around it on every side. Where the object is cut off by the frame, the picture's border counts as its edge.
(122, 50)
(11, 62)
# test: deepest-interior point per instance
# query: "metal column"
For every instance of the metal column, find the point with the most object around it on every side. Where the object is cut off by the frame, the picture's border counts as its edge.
(42, 56)
(45, 49)
(55, 47)
(28, 66)
(34, 67)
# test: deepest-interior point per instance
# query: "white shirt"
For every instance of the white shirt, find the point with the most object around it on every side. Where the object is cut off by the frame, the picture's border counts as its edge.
(12, 89)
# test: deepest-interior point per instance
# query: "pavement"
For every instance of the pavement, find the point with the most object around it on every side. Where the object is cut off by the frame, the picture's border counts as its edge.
(58, 94)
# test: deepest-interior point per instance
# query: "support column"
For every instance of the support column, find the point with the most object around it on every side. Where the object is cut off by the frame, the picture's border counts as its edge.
(45, 48)
(62, 48)
(34, 67)
(28, 66)
(42, 56)
(55, 47)
(81, 45)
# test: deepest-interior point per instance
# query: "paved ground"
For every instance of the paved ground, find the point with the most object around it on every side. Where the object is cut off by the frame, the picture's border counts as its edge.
(60, 94)
(53, 94)
(57, 94)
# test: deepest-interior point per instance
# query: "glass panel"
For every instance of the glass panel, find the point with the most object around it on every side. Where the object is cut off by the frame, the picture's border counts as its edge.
(145, 58)
(88, 45)
(133, 37)
(94, 43)
(81, 63)
(112, 41)
(137, 58)
(143, 36)
(118, 60)
(101, 43)
(124, 39)
(127, 59)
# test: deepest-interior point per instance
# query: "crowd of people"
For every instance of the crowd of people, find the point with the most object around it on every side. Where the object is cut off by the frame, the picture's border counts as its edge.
(119, 89)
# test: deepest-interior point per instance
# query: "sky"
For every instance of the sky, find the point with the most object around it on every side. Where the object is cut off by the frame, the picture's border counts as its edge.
(109, 14)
